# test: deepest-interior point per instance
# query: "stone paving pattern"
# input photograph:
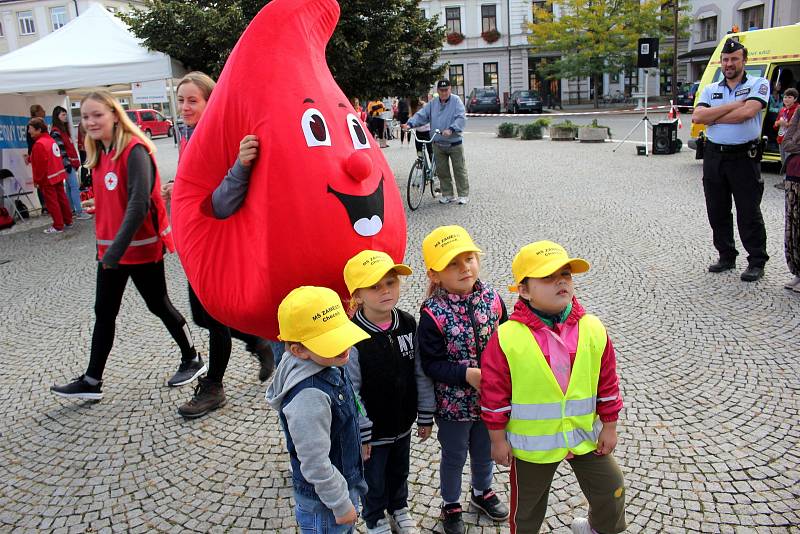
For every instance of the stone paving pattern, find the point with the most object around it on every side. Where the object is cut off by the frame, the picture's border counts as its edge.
(708, 440)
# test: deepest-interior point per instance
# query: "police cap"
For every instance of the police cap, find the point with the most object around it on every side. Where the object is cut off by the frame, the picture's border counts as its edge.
(731, 46)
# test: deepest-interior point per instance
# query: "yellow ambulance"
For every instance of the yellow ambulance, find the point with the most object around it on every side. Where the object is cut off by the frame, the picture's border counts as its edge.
(773, 53)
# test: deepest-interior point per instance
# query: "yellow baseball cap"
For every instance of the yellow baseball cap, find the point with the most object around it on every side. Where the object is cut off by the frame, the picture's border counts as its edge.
(445, 243)
(315, 317)
(541, 259)
(366, 269)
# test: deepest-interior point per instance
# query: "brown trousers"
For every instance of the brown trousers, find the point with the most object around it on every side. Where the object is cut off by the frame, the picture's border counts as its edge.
(601, 482)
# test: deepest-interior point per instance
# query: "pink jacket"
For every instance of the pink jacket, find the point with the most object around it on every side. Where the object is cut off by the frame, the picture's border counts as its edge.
(496, 377)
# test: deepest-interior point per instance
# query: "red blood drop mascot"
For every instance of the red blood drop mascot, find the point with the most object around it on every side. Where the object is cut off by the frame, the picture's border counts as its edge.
(320, 190)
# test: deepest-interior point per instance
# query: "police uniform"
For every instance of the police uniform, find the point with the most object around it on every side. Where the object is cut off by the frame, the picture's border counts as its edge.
(731, 167)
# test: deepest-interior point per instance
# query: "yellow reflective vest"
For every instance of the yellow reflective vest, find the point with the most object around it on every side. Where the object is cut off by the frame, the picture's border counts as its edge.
(545, 423)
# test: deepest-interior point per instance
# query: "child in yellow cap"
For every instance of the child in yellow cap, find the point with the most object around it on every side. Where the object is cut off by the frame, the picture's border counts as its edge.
(456, 321)
(550, 392)
(318, 409)
(389, 381)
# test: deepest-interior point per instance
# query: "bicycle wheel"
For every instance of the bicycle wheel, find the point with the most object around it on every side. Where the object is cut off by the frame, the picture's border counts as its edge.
(416, 185)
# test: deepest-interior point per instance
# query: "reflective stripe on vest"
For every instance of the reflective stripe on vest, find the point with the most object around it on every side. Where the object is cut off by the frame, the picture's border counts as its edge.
(49, 176)
(134, 243)
(546, 424)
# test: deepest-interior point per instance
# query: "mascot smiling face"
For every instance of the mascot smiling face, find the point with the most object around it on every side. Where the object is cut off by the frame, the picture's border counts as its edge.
(320, 190)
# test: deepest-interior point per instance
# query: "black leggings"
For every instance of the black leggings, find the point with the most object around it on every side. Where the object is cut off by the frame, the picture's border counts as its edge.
(402, 118)
(219, 339)
(376, 126)
(149, 281)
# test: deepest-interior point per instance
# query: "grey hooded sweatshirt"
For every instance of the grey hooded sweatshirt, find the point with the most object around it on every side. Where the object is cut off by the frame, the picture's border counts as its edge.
(308, 417)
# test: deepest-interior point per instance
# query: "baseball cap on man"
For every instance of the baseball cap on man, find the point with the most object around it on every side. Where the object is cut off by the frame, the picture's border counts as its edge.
(445, 243)
(541, 259)
(366, 269)
(315, 317)
(442, 84)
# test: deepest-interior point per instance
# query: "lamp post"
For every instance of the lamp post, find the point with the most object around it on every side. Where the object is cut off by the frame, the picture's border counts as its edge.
(675, 51)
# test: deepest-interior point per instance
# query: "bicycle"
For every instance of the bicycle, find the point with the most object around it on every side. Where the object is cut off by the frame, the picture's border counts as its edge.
(423, 172)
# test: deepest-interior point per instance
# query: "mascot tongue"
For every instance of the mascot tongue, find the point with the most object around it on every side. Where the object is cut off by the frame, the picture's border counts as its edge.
(320, 191)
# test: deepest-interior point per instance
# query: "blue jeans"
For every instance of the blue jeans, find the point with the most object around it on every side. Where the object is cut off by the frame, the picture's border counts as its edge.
(457, 438)
(313, 517)
(73, 191)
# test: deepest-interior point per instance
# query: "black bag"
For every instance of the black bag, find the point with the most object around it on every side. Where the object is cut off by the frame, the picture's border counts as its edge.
(22, 208)
(699, 152)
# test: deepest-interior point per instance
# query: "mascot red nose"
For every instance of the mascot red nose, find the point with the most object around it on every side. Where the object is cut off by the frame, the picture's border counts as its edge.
(320, 191)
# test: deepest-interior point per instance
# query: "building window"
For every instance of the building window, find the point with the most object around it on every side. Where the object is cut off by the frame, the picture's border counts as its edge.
(539, 5)
(453, 17)
(58, 15)
(490, 76)
(457, 79)
(753, 18)
(488, 18)
(26, 25)
(1, 29)
(111, 9)
(708, 29)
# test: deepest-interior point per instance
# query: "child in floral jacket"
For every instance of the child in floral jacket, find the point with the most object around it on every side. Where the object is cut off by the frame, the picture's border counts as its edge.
(456, 321)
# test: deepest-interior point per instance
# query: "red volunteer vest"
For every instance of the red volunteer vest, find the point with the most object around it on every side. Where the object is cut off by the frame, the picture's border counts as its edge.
(111, 201)
(55, 167)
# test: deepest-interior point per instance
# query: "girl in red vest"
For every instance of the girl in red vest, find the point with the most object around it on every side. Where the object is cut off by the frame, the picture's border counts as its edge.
(132, 232)
(49, 175)
(194, 90)
(61, 135)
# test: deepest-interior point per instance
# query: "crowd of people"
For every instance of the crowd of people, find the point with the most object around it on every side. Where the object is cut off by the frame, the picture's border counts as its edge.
(348, 389)
(54, 162)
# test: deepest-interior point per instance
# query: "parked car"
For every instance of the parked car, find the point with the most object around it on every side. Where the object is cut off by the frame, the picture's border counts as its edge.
(686, 96)
(525, 101)
(151, 122)
(483, 100)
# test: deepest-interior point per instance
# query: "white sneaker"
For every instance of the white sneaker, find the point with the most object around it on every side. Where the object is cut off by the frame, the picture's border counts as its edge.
(404, 522)
(446, 200)
(463, 200)
(52, 230)
(793, 284)
(580, 525)
(381, 527)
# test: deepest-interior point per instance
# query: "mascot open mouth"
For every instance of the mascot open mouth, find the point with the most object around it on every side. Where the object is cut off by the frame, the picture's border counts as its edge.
(366, 213)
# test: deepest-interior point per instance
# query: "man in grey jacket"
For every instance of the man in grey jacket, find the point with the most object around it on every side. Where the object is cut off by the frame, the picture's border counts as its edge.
(446, 114)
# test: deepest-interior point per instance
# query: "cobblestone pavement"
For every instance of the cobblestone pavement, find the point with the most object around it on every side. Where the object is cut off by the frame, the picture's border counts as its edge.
(709, 365)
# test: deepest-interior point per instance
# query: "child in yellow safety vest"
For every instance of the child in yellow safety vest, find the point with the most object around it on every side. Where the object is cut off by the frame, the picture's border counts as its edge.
(550, 391)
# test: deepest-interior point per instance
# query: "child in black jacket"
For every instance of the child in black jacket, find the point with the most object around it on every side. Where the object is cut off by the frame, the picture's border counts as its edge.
(391, 385)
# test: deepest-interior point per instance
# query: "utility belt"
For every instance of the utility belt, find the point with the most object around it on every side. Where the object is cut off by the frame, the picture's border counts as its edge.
(752, 149)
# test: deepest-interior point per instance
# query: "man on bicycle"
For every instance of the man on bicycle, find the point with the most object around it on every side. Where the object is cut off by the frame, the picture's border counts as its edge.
(446, 114)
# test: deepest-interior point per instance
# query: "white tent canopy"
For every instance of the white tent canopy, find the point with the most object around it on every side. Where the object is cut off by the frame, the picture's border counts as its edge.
(94, 49)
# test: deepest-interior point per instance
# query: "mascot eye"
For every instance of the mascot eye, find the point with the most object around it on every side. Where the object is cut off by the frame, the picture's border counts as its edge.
(357, 133)
(315, 129)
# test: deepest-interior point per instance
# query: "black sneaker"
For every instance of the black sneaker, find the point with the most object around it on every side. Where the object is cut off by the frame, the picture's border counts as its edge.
(79, 389)
(451, 519)
(266, 360)
(721, 266)
(752, 273)
(208, 396)
(490, 505)
(187, 371)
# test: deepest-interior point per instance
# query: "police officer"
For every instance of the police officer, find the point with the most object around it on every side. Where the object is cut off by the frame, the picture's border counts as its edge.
(731, 109)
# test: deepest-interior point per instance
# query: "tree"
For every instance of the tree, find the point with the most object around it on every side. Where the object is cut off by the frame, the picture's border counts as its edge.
(378, 48)
(597, 36)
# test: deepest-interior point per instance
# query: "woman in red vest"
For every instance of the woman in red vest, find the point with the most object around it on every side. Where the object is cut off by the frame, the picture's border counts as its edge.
(60, 132)
(194, 90)
(132, 232)
(49, 175)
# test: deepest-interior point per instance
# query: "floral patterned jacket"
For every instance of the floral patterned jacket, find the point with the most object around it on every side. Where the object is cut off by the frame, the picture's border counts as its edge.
(463, 325)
